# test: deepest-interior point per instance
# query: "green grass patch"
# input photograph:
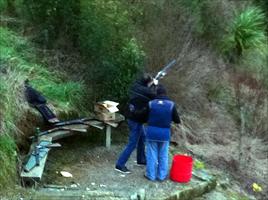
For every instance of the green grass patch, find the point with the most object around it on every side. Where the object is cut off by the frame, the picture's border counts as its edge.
(8, 161)
(17, 55)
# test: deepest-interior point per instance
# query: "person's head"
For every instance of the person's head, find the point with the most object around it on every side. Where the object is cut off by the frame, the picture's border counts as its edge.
(146, 79)
(161, 91)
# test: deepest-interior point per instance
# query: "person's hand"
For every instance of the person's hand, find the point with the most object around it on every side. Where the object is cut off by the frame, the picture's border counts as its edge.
(155, 82)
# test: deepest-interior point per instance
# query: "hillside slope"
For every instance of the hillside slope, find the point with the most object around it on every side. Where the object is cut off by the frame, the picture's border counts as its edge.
(223, 103)
(19, 61)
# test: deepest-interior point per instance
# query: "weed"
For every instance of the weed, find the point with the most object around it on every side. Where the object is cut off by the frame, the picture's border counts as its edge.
(199, 164)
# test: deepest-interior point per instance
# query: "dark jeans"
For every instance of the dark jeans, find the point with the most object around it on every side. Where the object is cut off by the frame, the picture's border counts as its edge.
(45, 112)
(136, 139)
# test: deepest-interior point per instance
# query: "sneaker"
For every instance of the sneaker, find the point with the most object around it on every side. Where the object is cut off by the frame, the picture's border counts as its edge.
(122, 169)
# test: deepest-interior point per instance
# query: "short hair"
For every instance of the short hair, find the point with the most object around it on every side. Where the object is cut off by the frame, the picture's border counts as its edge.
(146, 78)
(160, 90)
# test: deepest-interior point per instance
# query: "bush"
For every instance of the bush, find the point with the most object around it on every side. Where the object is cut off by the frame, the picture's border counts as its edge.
(106, 41)
(247, 31)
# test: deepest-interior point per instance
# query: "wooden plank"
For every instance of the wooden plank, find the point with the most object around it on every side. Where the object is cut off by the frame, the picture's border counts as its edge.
(66, 133)
(36, 173)
(96, 124)
(76, 126)
(112, 124)
(60, 134)
(31, 163)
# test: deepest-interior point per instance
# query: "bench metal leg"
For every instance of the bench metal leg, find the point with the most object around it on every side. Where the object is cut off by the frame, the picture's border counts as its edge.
(108, 136)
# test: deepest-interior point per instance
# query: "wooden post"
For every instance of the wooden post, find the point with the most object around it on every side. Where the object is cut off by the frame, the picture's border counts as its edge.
(108, 136)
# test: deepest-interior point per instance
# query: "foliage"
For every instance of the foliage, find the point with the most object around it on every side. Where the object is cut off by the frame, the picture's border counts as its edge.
(104, 33)
(210, 28)
(196, 7)
(66, 94)
(18, 60)
(7, 160)
(199, 165)
(263, 4)
(105, 38)
(55, 18)
(247, 31)
(3, 5)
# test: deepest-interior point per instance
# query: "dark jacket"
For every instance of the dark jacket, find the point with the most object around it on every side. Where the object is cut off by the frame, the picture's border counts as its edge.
(33, 96)
(162, 112)
(137, 106)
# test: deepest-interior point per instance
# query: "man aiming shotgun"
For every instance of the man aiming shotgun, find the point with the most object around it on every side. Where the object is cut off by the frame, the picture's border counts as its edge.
(141, 92)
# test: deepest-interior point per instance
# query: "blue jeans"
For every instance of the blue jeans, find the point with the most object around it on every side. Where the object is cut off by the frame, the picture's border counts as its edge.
(157, 160)
(136, 139)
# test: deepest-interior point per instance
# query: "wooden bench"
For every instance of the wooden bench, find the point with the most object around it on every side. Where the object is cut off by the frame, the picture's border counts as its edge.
(35, 175)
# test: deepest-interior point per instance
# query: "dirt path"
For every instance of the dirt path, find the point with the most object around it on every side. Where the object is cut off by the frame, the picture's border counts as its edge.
(92, 167)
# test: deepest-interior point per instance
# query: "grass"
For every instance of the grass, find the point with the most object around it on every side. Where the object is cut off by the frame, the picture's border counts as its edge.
(7, 160)
(19, 62)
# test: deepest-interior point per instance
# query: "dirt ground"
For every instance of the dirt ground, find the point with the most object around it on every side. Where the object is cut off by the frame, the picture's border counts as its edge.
(92, 167)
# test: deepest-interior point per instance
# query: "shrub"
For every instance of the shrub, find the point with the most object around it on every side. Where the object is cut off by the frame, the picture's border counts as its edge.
(106, 41)
(247, 31)
(54, 18)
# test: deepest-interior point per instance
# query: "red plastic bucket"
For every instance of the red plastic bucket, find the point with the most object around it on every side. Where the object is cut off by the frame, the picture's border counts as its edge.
(181, 169)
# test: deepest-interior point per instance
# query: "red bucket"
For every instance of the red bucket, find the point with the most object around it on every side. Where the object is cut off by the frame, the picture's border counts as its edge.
(181, 169)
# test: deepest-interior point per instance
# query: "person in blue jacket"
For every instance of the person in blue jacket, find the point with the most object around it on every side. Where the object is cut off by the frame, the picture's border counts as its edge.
(136, 113)
(162, 111)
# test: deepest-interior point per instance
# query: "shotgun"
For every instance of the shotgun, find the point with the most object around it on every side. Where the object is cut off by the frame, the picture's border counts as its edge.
(162, 73)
